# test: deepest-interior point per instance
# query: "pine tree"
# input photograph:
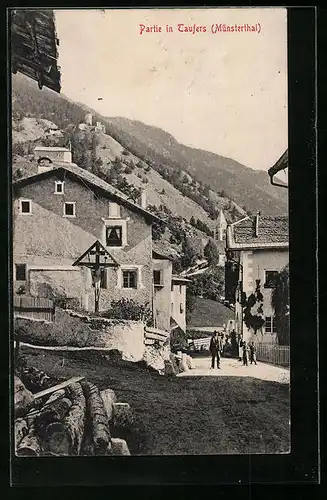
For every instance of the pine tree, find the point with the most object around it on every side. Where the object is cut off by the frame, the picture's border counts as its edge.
(189, 254)
(211, 253)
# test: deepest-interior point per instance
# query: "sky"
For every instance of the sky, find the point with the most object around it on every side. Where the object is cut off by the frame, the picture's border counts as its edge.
(225, 92)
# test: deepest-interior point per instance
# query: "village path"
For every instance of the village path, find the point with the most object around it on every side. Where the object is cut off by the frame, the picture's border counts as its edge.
(231, 367)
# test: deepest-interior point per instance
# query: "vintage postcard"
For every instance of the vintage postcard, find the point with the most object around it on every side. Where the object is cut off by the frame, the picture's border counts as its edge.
(150, 233)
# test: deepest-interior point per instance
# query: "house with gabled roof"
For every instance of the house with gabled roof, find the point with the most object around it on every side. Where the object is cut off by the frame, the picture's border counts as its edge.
(257, 249)
(58, 214)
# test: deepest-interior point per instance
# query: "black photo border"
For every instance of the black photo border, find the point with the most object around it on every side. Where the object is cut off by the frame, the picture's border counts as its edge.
(301, 466)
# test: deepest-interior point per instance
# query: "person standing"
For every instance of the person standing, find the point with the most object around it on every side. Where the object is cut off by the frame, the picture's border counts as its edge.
(253, 353)
(215, 349)
(245, 354)
(240, 349)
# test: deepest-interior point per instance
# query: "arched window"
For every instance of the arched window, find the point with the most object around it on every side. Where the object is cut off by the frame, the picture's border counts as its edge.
(44, 161)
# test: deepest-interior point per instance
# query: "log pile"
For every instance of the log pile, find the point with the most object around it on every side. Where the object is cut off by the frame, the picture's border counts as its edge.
(67, 419)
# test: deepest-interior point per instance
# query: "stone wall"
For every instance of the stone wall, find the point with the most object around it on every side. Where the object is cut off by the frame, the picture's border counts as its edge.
(76, 330)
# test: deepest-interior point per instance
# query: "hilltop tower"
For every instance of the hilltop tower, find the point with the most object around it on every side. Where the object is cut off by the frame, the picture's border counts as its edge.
(221, 228)
(88, 119)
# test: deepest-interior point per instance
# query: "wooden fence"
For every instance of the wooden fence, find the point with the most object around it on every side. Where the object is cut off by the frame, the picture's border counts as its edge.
(275, 354)
(34, 307)
(200, 344)
(151, 335)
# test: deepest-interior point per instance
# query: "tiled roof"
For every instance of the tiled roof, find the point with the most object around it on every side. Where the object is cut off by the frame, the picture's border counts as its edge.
(272, 231)
(280, 164)
(164, 250)
(91, 179)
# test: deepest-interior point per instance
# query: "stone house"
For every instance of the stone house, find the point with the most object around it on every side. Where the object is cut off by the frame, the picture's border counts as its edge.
(61, 211)
(258, 245)
(51, 154)
(169, 294)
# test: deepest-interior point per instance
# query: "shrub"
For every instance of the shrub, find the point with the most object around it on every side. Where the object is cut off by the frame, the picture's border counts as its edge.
(125, 152)
(128, 169)
(18, 149)
(17, 174)
(211, 253)
(129, 309)
(178, 340)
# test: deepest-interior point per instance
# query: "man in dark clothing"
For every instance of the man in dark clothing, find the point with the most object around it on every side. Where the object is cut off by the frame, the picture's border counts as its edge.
(253, 353)
(215, 349)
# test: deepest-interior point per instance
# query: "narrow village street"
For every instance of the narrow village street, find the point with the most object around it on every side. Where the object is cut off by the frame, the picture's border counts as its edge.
(231, 367)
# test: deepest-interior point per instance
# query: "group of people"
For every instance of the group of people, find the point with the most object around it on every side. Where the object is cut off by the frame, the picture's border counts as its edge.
(246, 353)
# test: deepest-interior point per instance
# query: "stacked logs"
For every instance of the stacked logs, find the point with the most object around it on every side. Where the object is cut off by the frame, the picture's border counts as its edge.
(74, 420)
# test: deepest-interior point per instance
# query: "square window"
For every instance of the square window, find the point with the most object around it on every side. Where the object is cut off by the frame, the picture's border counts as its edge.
(20, 272)
(157, 279)
(59, 187)
(270, 279)
(114, 236)
(270, 324)
(26, 207)
(69, 209)
(129, 279)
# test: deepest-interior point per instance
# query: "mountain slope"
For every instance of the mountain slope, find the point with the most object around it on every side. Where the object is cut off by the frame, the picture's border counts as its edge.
(216, 177)
(244, 185)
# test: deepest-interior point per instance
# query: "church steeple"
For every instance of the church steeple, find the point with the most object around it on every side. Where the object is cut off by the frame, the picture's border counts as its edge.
(221, 227)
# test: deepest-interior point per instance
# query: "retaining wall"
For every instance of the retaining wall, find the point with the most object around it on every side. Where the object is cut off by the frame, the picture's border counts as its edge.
(74, 329)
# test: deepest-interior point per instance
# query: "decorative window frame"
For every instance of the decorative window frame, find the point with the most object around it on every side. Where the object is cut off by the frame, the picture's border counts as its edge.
(21, 200)
(62, 183)
(74, 205)
(272, 325)
(111, 223)
(129, 267)
(264, 283)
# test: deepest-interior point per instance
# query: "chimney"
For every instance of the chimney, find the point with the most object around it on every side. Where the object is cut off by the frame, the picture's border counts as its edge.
(256, 230)
(142, 200)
